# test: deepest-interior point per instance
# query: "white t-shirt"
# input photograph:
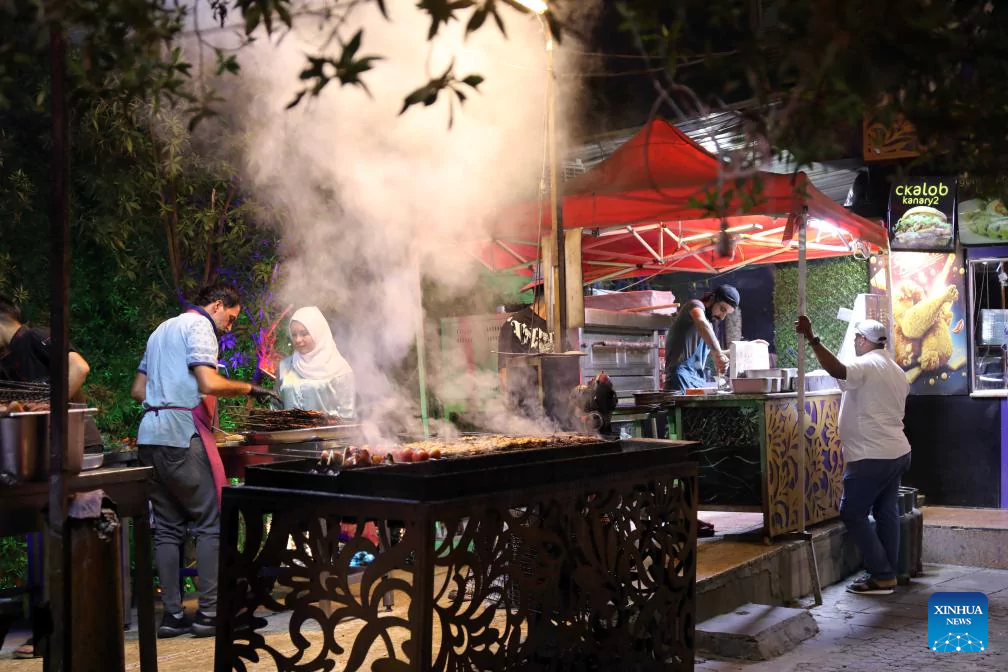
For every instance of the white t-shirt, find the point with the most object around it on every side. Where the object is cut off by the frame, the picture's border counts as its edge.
(872, 408)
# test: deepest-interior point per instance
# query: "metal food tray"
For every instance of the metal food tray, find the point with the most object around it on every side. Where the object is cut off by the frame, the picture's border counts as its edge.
(434, 480)
(306, 435)
(654, 398)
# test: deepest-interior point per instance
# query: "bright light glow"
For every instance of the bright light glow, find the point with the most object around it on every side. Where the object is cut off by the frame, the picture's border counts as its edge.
(825, 226)
(534, 6)
(732, 229)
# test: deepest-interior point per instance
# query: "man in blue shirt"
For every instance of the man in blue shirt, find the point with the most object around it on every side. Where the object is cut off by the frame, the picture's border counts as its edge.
(177, 382)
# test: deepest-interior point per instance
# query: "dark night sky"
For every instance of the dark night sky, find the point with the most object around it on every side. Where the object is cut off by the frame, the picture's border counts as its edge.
(623, 97)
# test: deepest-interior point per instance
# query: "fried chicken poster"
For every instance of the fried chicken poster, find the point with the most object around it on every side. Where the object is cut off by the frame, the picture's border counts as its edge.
(929, 318)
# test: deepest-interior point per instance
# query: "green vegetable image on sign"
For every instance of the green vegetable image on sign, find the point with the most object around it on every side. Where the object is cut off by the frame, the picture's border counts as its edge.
(983, 222)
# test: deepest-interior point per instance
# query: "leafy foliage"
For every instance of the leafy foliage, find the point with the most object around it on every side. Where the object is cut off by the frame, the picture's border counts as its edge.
(830, 284)
(811, 71)
(428, 94)
(346, 69)
(13, 562)
(151, 221)
(125, 46)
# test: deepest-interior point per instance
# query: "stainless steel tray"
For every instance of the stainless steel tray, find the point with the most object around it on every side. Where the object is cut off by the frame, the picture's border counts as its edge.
(329, 433)
(654, 398)
(92, 461)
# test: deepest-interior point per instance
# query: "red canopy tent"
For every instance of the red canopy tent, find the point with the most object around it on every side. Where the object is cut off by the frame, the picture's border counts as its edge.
(642, 213)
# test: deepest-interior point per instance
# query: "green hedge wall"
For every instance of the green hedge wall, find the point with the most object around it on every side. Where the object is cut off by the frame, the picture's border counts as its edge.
(830, 284)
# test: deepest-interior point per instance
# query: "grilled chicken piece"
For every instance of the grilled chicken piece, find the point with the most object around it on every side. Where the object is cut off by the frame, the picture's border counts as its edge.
(918, 319)
(936, 347)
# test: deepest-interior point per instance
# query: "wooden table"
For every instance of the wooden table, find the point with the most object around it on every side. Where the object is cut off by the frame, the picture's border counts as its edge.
(21, 513)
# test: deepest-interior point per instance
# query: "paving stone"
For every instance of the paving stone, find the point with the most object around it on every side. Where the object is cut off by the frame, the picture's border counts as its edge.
(903, 610)
(942, 572)
(882, 621)
(864, 633)
(909, 600)
(983, 584)
(755, 632)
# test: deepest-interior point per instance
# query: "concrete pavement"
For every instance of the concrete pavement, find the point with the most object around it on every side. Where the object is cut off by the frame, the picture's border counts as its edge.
(861, 633)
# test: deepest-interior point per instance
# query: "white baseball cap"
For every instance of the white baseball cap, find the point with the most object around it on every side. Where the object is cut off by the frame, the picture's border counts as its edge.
(873, 330)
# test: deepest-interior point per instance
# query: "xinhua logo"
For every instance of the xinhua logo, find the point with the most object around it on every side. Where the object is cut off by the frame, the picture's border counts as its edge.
(957, 622)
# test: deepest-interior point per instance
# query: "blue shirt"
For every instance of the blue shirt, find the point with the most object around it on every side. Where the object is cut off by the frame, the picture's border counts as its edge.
(175, 347)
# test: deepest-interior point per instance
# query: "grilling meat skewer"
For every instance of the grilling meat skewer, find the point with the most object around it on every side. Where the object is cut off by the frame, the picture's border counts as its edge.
(265, 420)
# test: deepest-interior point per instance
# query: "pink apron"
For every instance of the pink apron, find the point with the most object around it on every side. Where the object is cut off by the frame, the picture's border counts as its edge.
(204, 416)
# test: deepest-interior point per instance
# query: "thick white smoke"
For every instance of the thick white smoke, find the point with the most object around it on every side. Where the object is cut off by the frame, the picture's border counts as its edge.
(371, 199)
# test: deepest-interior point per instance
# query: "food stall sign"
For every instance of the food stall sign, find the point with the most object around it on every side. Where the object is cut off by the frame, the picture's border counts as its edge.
(922, 214)
(983, 221)
(929, 315)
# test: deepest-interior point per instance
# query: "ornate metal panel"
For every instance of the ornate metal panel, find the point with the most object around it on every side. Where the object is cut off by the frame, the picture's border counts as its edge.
(824, 464)
(885, 142)
(728, 453)
(586, 574)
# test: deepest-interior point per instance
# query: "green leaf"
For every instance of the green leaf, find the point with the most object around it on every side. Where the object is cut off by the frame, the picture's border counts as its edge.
(473, 80)
(477, 20)
(253, 15)
(417, 96)
(353, 45)
(499, 21)
(199, 117)
(283, 12)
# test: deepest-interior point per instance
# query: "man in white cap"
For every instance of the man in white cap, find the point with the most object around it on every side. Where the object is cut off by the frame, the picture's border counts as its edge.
(876, 450)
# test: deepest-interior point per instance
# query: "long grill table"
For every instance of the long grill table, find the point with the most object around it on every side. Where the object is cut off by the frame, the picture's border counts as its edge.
(578, 558)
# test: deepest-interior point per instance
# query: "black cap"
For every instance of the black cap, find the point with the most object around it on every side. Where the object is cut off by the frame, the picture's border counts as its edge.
(728, 294)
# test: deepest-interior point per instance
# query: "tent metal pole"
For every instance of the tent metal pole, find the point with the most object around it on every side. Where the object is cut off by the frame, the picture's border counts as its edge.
(556, 203)
(802, 480)
(56, 647)
(889, 297)
(421, 352)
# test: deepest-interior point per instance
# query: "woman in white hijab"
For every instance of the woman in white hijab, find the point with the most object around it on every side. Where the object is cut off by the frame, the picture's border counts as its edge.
(316, 377)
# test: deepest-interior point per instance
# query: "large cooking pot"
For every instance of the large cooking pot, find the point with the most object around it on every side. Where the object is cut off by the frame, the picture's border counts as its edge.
(21, 444)
(24, 443)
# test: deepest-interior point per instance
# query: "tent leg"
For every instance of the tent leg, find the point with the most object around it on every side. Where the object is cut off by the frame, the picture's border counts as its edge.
(421, 347)
(802, 416)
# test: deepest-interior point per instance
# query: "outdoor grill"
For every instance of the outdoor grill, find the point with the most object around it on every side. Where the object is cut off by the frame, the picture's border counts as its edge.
(35, 395)
(455, 476)
(578, 554)
(265, 435)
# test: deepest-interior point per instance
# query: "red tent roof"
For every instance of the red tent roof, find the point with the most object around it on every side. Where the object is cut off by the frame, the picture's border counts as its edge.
(642, 213)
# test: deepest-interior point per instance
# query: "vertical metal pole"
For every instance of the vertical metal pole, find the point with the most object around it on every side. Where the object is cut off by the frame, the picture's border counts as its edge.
(889, 296)
(556, 203)
(803, 461)
(421, 352)
(802, 417)
(59, 643)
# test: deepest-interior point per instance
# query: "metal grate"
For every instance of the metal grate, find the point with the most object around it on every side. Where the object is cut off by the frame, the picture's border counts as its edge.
(16, 391)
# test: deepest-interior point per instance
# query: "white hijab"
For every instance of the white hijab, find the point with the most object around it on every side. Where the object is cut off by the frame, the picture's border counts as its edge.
(324, 361)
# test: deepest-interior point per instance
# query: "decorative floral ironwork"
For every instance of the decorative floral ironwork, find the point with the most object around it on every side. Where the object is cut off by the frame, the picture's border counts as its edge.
(595, 575)
(884, 142)
(728, 452)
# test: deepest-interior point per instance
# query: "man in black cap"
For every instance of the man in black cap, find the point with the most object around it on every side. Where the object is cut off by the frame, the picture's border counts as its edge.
(692, 337)
(689, 341)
